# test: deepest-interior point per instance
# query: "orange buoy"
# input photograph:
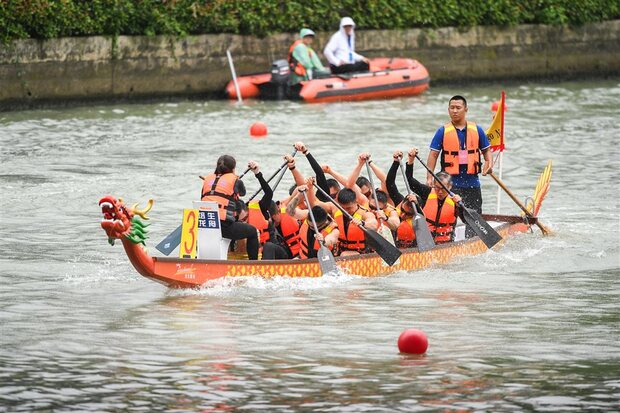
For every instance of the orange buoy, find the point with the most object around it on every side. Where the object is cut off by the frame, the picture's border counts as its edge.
(258, 130)
(412, 341)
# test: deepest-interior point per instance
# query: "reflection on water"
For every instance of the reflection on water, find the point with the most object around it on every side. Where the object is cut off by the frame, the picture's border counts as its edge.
(532, 326)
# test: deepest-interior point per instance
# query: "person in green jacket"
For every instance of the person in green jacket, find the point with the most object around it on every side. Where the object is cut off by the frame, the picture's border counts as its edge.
(303, 61)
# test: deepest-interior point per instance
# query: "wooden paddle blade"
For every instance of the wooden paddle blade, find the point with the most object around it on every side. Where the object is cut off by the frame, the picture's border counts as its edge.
(168, 244)
(423, 235)
(327, 262)
(387, 251)
(482, 228)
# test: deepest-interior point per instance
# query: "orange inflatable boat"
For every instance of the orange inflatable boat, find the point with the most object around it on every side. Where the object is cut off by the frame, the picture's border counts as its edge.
(387, 78)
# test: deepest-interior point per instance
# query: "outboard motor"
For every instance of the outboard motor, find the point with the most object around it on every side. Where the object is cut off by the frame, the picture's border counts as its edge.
(277, 88)
(280, 71)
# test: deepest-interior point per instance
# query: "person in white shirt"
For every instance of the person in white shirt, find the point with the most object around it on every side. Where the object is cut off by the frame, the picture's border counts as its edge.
(340, 50)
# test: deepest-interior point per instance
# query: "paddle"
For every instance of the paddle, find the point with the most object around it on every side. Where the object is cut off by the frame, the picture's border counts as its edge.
(387, 251)
(543, 229)
(423, 235)
(168, 244)
(472, 218)
(282, 172)
(327, 262)
(280, 169)
(383, 229)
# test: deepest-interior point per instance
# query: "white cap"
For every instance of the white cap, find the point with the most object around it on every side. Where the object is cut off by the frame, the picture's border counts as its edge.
(347, 21)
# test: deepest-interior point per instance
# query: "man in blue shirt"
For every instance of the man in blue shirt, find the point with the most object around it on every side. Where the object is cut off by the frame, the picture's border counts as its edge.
(460, 144)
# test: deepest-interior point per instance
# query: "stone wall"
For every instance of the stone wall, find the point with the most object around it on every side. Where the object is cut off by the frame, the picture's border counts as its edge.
(34, 72)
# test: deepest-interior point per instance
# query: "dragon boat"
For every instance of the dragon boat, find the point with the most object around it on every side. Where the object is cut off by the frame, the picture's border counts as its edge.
(387, 78)
(129, 225)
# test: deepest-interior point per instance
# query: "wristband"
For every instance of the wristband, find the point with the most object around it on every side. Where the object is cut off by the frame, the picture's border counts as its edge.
(290, 169)
(306, 152)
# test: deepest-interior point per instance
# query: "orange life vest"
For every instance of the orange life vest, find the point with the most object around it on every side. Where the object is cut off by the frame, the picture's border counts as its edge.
(405, 236)
(295, 66)
(451, 147)
(289, 228)
(441, 222)
(304, 253)
(221, 189)
(258, 221)
(354, 239)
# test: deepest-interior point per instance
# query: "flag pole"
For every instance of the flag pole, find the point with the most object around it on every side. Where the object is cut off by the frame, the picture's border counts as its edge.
(499, 189)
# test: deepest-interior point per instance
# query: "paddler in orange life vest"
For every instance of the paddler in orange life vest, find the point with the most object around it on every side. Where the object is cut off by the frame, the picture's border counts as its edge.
(278, 233)
(439, 208)
(386, 214)
(405, 205)
(460, 143)
(303, 61)
(328, 229)
(352, 240)
(225, 188)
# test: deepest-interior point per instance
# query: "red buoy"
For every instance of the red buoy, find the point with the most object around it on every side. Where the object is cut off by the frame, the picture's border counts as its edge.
(412, 341)
(495, 105)
(258, 130)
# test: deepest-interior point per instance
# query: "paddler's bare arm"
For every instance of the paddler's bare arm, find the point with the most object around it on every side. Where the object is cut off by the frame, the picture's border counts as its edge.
(370, 221)
(355, 173)
(380, 174)
(361, 161)
(327, 206)
(291, 207)
(393, 220)
(332, 238)
(431, 162)
(338, 177)
(299, 178)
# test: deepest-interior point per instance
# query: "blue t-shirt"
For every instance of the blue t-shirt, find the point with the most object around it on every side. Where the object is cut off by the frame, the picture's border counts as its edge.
(463, 179)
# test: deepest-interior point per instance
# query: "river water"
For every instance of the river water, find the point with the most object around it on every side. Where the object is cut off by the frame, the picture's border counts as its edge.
(532, 326)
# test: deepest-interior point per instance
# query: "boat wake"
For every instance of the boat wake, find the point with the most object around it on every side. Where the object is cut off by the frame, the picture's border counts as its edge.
(227, 286)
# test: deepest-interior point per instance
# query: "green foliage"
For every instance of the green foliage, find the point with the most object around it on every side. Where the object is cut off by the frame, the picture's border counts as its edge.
(57, 18)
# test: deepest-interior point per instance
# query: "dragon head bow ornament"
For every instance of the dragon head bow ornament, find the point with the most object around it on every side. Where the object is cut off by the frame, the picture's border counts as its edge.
(120, 221)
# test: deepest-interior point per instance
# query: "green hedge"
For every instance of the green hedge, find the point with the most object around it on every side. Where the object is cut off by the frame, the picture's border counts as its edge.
(57, 18)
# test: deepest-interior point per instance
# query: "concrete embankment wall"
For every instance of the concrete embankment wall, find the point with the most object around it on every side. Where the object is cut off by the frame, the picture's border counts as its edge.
(57, 71)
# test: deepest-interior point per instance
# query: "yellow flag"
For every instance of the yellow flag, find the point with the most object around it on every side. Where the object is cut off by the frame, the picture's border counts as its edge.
(495, 133)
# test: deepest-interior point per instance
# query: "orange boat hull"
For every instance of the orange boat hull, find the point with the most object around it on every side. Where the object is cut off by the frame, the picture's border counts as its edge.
(192, 273)
(388, 78)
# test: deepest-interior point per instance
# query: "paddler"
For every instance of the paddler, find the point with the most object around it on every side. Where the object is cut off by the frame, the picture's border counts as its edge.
(460, 144)
(328, 229)
(340, 50)
(278, 233)
(405, 206)
(225, 188)
(363, 188)
(439, 208)
(303, 60)
(352, 240)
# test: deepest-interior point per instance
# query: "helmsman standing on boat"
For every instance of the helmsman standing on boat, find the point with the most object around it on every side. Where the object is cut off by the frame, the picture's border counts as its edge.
(460, 144)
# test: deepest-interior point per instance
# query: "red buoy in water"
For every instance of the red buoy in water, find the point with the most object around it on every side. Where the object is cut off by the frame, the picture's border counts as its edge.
(412, 341)
(495, 105)
(258, 130)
